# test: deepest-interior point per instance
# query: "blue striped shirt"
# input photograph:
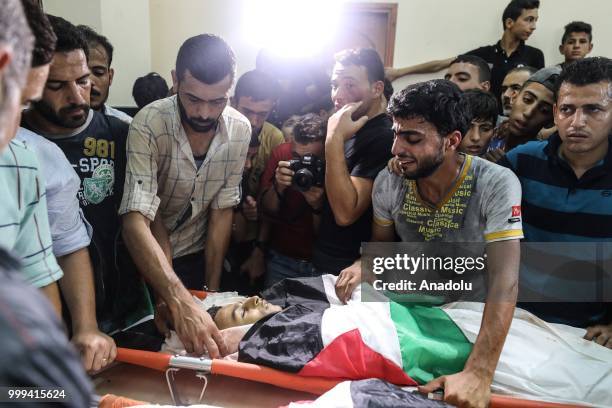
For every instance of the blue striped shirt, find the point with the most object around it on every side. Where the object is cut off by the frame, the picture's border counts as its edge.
(557, 206)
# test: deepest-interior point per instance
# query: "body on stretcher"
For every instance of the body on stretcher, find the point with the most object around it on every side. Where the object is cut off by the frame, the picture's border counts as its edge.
(467, 317)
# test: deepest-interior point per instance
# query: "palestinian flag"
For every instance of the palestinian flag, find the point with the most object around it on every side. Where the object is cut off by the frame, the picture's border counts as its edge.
(372, 393)
(316, 335)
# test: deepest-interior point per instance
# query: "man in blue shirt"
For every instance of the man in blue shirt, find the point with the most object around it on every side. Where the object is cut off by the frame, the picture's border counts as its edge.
(567, 181)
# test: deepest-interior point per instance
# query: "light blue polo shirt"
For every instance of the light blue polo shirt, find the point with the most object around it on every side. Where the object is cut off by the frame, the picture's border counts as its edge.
(24, 225)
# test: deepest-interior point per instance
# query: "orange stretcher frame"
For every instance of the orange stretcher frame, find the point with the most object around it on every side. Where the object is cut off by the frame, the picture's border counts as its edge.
(314, 385)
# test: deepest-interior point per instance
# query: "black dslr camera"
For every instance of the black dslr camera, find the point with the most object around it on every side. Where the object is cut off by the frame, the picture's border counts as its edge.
(309, 171)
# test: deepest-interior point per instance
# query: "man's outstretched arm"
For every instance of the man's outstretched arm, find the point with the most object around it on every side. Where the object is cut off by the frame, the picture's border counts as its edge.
(97, 349)
(429, 67)
(471, 387)
(352, 276)
(217, 241)
(194, 326)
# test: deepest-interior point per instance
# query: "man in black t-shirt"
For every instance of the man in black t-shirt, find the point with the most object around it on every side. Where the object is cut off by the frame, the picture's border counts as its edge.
(357, 147)
(519, 22)
(95, 146)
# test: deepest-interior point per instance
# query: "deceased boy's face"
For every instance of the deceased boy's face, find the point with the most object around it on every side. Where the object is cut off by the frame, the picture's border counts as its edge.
(245, 312)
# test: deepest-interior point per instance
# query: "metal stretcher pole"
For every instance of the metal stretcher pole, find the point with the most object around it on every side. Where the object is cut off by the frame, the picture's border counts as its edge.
(170, 365)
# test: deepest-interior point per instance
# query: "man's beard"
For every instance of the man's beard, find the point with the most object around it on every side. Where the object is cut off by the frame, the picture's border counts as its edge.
(506, 109)
(362, 110)
(61, 118)
(426, 167)
(97, 94)
(199, 125)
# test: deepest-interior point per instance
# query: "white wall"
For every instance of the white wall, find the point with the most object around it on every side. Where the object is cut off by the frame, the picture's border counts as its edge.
(78, 12)
(437, 29)
(172, 22)
(126, 23)
(148, 33)
(426, 29)
(127, 26)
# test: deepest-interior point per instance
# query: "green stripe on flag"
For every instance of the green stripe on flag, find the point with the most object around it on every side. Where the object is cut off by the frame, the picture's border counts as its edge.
(431, 344)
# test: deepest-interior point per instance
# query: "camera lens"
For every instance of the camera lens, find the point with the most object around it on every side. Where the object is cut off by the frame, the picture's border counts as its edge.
(303, 179)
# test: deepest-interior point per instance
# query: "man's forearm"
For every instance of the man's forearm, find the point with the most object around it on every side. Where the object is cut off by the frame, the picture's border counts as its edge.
(150, 259)
(78, 289)
(340, 191)
(270, 201)
(429, 67)
(503, 259)
(217, 242)
(263, 232)
(161, 236)
(51, 292)
(490, 341)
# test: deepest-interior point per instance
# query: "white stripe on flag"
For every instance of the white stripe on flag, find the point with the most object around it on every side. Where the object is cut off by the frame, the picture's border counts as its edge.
(372, 319)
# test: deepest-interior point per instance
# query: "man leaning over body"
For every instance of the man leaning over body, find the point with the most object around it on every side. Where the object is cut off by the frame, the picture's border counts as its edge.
(185, 159)
(468, 198)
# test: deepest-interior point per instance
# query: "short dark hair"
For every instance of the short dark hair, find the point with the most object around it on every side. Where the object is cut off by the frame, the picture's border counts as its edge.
(484, 71)
(309, 128)
(388, 91)
(515, 8)
(585, 71)
(482, 105)
(257, 85)
(364, 57)
(531, 70)
(44, 37)
(93, 39)
(207, 57)
(438, 101)
(577, 27)
(69, 38)
(149, 88)
(14, 32)
(212, 311)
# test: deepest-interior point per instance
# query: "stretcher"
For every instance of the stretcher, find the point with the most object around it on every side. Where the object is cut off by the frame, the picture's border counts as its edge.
(135, 382)
(204, 367)
(312, 385)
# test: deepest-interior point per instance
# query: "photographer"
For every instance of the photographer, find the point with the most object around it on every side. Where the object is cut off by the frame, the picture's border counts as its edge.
(292, 199)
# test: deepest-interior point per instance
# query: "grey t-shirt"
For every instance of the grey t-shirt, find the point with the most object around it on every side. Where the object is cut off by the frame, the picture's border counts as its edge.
(70, 230)
(483, 206)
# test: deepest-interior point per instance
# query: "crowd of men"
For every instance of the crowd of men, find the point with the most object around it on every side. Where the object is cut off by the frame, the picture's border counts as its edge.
(114, 218)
